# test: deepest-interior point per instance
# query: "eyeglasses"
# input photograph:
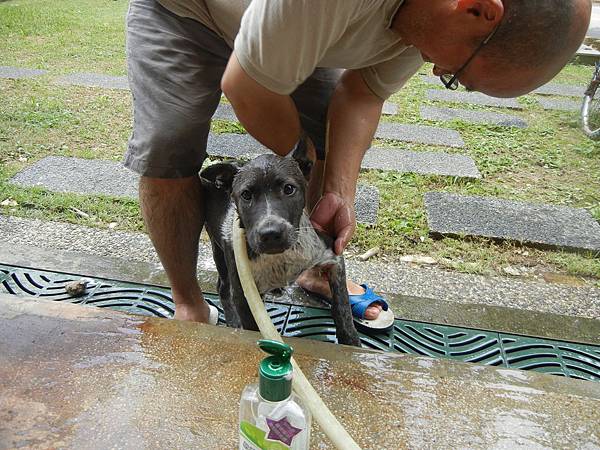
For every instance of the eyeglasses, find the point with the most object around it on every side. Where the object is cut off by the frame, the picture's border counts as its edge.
(451, 81)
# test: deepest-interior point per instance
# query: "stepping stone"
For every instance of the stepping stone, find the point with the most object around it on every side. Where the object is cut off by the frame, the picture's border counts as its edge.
(473, 98)
(528, 223)
(243, 146)
(485, 117)
(366, 204)
(94, 80)
(431, 79)
(100, 177)
(225, 111)
(564, 90)
(232, 145)
(389, 109)
(419, 133)
(15, 72)
(80, 176)
(559, 104)
(426, 163)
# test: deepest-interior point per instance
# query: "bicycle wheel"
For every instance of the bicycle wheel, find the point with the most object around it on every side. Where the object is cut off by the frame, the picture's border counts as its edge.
(590, 110)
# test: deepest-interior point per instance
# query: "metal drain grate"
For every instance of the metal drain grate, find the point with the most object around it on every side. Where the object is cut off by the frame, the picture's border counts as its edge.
(463, 344)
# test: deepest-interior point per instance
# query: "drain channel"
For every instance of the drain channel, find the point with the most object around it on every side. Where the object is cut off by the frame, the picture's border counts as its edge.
(566, 359)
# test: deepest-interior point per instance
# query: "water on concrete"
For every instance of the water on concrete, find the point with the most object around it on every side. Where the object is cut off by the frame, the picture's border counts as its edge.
(74, 377)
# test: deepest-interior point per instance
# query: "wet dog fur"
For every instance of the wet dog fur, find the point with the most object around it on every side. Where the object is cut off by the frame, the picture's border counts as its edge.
(268, 193)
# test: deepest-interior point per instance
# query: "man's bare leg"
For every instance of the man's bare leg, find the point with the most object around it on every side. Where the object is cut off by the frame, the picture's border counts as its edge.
(174, 217)
(312, 280)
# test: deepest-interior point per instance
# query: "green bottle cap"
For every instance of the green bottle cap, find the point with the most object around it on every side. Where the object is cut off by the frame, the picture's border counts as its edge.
(275, 372)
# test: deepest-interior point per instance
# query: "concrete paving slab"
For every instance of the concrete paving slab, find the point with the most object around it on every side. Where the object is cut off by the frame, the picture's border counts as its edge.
(80, 176)
(389, 109)
(366, 204)
(419, 133)
(534, 224)
(94, 80)
(559, 104)
(17, 72)
(232, 145)
(473, 98)
(225, 112)
(565, 90)
(482, 117)
(99, 177)
(426, 163)
(431, 79)
(123, 382)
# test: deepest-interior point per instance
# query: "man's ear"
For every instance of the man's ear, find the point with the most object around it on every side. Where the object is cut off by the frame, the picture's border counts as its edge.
(221, 175)
(490, 12)
(301, 155)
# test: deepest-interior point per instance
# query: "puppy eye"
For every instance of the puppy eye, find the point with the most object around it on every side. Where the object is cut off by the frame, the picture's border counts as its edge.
(289, 189)
(246, 195)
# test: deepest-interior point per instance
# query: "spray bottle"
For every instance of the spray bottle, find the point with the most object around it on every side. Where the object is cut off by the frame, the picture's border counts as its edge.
(272, 417)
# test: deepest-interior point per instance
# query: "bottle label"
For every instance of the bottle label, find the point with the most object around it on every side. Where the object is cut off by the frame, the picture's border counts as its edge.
(279, 437)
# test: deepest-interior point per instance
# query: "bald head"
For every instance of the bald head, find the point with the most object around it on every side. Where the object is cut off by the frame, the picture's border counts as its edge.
(537, 38)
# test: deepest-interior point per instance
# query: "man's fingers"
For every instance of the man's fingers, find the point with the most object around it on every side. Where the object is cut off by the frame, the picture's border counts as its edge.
(339, 246)
(342, 240)
(318, 227)
(333, 216)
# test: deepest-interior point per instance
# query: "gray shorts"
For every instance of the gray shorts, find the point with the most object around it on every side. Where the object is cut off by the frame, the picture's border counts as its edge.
(175, 66)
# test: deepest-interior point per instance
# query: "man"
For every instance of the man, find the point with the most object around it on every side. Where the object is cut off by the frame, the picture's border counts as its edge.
(280, 79)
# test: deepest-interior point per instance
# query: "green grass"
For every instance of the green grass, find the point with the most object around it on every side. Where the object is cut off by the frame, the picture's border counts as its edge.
(64, 36)
(548, 162)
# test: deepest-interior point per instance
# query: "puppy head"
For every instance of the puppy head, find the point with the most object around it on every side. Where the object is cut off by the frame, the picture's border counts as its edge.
(269, 194)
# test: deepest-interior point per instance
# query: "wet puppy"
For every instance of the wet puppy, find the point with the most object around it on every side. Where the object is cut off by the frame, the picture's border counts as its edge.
(268, 194)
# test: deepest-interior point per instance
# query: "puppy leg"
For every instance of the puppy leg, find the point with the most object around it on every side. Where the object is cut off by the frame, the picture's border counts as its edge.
(340, 305)
(231, 314)
(238, 299)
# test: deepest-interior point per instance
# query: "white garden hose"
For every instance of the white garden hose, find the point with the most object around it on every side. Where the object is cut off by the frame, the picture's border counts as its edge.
(326, 420)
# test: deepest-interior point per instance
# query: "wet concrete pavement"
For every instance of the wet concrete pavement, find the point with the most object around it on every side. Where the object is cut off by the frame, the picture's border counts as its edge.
(86, 378)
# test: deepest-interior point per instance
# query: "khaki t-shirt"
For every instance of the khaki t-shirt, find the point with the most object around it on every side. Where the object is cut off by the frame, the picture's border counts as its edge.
(279, 43)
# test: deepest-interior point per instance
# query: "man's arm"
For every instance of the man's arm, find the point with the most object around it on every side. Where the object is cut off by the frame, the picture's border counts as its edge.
(270, 118)
(273, 120)
(354, 114)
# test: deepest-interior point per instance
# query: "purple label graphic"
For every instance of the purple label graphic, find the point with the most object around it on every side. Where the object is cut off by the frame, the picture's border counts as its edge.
(282, 430)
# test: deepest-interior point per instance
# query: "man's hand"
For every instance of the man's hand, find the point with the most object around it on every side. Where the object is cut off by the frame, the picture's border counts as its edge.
(335, 216)
(353, 116)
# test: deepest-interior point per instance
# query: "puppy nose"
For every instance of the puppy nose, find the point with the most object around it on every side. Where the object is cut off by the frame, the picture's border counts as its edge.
(273, 238)
(271, 234)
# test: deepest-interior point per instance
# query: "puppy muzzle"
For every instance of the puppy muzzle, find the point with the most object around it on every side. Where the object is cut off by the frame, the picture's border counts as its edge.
(272, 236)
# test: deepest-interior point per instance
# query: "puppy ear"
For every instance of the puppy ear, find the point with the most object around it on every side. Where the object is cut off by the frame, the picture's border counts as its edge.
(221, 175)
(300, 155)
